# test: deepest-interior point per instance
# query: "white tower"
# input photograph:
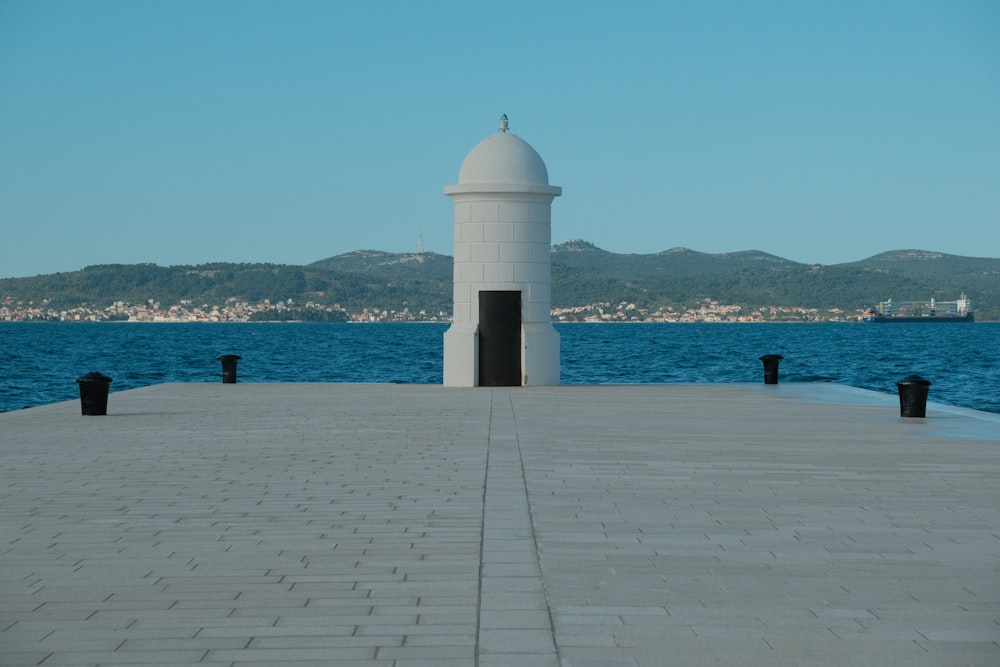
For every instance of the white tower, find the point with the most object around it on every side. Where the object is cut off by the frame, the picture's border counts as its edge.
(501, 332)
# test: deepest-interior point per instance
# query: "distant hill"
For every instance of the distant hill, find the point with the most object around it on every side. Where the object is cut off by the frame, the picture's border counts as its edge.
(218, 283)
(425, 265)
(583, 256)
(582, 271)
(923, 264)
(582, 274)
(942, 276)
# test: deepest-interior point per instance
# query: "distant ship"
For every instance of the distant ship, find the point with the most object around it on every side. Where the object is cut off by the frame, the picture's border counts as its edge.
(922, 311)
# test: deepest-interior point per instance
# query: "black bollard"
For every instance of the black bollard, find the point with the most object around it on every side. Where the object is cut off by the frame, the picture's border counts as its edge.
(913, 391)
(229, 362)
(771, 362)
(94, 393)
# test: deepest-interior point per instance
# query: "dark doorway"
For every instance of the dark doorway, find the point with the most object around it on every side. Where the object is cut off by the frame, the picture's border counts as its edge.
(499, 339)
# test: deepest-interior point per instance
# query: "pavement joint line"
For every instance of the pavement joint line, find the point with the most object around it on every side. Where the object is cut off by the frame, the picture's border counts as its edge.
(507, 516)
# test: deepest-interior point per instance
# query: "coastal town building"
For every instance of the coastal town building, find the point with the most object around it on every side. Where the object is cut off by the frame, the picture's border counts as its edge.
(234, 310)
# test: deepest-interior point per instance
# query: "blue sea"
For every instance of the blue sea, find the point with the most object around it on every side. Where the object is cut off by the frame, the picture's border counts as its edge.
(39, 362)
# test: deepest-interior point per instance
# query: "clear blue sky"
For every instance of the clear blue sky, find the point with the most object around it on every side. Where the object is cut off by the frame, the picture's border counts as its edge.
(182, 132)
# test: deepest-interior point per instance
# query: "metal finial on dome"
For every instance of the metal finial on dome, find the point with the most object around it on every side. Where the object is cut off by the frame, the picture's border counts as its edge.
(503, 123)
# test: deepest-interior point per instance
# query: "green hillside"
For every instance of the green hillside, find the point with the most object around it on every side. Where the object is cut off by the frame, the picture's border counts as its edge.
(426, 265)
(582, 274)
(586, 257)
(217, 284)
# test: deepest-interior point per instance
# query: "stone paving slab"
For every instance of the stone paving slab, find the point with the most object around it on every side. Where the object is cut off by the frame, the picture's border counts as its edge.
(634, 525)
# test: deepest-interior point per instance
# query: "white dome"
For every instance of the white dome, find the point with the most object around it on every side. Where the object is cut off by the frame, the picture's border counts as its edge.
(503, 158)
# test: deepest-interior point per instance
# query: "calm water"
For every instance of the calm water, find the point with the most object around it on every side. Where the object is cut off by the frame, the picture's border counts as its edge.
(39, 362)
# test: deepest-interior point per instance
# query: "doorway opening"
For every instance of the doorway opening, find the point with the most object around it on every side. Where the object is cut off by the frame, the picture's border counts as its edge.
(500, 339)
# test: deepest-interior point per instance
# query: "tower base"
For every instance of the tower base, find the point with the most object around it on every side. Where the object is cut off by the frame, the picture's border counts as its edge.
(539, 355)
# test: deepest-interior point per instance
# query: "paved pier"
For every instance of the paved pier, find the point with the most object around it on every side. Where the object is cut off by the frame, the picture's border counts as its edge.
(575, 526)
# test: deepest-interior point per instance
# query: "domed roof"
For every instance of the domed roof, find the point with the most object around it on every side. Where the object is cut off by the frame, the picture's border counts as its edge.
(503, 158)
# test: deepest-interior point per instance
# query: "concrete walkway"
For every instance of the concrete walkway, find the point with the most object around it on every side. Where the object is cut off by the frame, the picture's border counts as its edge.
(618, 526)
